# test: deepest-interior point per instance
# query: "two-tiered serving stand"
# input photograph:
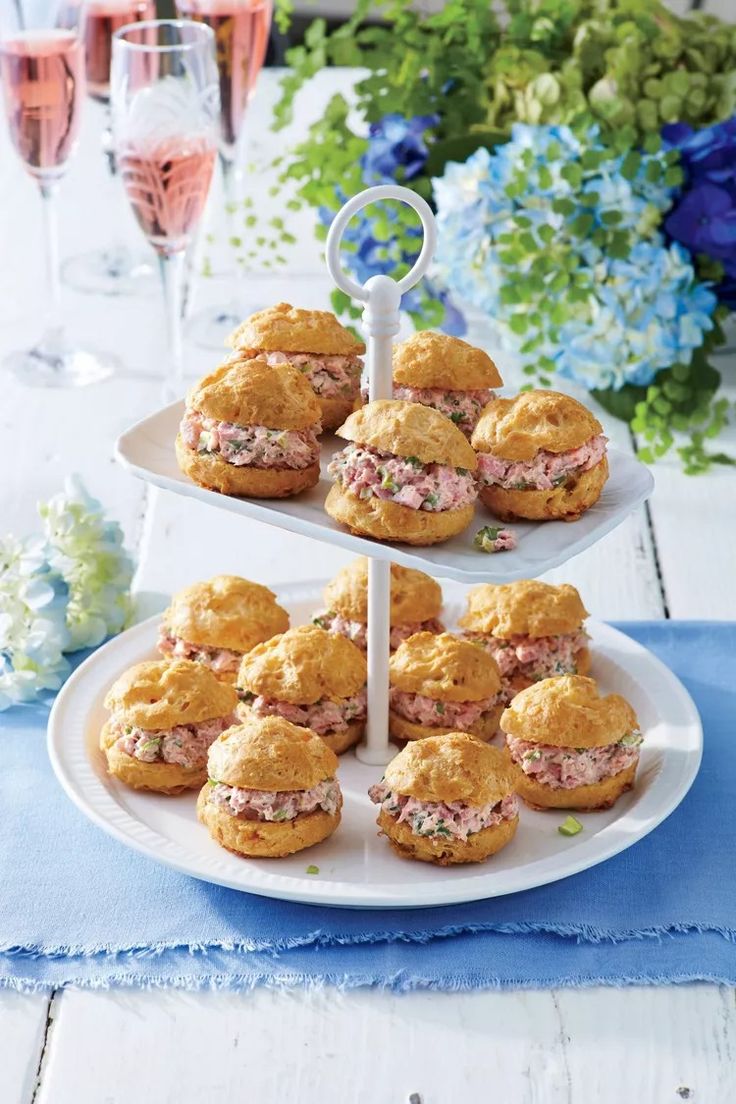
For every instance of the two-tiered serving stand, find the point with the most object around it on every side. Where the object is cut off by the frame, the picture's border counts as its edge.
(356, 868)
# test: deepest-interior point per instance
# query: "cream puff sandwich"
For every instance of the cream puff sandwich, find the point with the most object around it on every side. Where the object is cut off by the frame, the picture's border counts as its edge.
(316, 344)
(310, 677)
(541, 456)
(447, 374)
(447, 799)
(416, 603)
(271, 789)
(163, 718)
(217, 621)
(407, 475)
(568, 747)
(440, 683)
(251, 430)
(533, 630)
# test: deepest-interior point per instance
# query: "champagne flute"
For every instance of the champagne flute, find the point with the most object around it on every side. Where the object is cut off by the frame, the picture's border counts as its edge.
(114, 269)
(241, 29)
(165, 107)
(42, 74)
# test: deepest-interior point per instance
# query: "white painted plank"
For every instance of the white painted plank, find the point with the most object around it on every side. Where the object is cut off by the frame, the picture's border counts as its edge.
(605, 1045)
(22, 1031)
(657, 1045)
(299, 1048)
(694, 520)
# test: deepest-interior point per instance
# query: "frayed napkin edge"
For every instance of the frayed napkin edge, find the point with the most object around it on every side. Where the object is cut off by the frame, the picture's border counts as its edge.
(577, 932)
(398, 983)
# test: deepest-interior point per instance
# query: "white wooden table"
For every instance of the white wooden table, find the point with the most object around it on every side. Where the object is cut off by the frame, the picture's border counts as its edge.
(675, 558)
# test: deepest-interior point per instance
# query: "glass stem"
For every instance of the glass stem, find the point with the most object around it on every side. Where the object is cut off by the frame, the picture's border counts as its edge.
(53, 326)
(172, 267)
(108, 143)
(230, 190)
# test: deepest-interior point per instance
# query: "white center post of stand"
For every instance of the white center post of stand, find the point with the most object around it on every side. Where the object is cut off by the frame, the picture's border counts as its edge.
(382, 298)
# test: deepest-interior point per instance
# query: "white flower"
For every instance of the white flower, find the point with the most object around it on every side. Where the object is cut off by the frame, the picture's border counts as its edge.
(87, 552)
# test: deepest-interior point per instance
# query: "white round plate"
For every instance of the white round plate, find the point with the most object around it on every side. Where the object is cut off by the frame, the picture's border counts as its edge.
(356, 867)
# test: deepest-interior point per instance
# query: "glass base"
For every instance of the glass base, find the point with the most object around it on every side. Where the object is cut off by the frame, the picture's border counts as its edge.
(113, 271)
(56, 363)
(210, 327)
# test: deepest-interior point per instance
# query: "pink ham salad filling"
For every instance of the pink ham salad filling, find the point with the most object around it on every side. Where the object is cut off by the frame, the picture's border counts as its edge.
(275, 806)
(451, 820)
(537, 657)
(184, 745)
(331, 377)
(563, 768)
(545, 471)
(461, 407)
(323, 717)
(220, 660)
(254, 445)
(357, 630)
(427, 711)
(402, 479)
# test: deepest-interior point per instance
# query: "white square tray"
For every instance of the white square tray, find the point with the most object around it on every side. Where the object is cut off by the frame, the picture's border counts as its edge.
(147, 451)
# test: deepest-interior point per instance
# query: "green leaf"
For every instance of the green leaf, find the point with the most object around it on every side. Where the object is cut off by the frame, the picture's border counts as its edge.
(460, 147)
(622, 403)
(630, 165)
(582, 225)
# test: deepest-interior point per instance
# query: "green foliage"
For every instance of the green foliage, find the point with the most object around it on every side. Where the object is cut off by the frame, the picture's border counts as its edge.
(629, 65)
(681, 403)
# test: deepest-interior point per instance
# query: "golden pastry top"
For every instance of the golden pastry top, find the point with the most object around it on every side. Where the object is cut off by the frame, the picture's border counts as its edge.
(270, 753)
(409, 429)
(303, 665)
(527, 607)
(453, 767)
(249, 392)
(414, 595)
(225, 612)
(288, 329)
(568, 711)
(516, 429)
(159, 694)
(444, 667)
(429, 359)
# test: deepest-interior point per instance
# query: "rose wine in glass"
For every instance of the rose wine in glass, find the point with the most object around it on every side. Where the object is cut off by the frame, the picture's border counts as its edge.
(167, 185)
(113, 269)
(241, 29)
(165, 109)
(42, 77)
(43, 82)
(104, 18)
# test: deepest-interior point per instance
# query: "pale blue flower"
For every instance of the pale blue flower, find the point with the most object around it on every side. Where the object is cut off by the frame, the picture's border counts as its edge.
(64, 590)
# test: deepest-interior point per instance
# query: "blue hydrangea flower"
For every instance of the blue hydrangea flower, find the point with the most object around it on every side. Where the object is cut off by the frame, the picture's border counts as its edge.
(704, 217)
(396, 152)
(603, 318)
(396, 148)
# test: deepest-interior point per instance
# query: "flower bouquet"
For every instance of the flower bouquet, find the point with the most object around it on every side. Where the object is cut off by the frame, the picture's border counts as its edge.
(581, 158)
(62, 590)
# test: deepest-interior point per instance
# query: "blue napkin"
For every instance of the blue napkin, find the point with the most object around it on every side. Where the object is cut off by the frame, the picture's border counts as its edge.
(79, 908)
